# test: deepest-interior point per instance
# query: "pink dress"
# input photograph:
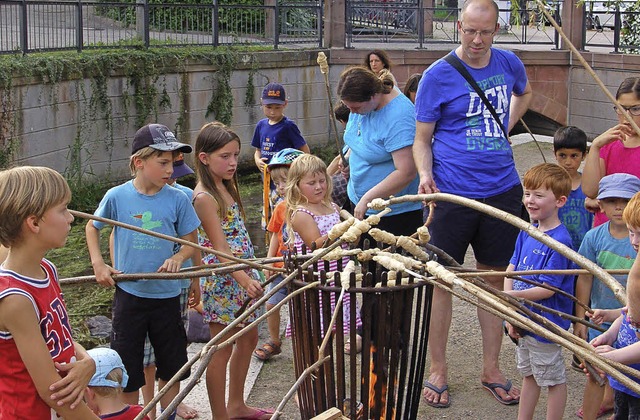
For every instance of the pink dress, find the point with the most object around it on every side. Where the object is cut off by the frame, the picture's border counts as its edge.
(618, 159)
(325, 223)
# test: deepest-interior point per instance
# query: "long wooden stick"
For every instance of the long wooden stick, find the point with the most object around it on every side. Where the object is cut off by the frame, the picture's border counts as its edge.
(324, 69)
(564, 338)
(587, 67)
(180, 241)
(592, 267)
(175, 379)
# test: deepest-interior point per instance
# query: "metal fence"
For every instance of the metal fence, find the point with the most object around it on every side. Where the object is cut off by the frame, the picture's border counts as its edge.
(387, 22)
(28, 25)
(45, 25)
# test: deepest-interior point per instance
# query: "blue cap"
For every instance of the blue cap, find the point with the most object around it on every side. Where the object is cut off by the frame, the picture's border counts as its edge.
(618, 186)
(273, 93)
(180, 169)
(106, 361)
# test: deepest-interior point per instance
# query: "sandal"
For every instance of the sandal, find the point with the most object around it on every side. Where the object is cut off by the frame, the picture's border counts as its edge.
(267, 351)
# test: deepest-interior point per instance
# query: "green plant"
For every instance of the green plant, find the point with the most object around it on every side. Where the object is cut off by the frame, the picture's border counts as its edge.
(142, 69)
(631, 29)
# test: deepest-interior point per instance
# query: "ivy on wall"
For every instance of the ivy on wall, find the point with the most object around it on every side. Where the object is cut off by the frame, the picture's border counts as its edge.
(144, 71)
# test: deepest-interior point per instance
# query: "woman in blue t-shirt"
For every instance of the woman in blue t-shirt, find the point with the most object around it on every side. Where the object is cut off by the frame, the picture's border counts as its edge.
(380, 135)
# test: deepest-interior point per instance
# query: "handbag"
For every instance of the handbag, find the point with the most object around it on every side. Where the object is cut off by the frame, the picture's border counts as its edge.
(455, 62)
(339, 193)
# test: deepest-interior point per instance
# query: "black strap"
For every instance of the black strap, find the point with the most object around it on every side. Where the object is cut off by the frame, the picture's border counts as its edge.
(457, 64)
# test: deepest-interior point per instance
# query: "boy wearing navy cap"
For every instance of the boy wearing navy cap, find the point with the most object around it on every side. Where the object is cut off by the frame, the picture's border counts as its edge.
(276, 132)
(147, 307)
(273, 134)
(104, 389)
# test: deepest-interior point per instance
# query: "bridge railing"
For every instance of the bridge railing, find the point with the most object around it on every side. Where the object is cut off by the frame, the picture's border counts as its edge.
(37, 25)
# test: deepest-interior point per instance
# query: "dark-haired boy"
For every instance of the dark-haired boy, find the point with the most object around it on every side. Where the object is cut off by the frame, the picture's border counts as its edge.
(570, 149)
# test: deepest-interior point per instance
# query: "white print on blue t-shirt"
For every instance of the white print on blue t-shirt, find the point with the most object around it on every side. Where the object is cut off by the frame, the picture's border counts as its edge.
(486, 133)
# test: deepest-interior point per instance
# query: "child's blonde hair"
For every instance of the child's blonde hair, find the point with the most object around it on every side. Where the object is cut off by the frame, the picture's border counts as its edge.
(28, 191)
(144, 154)
(550, 176)
(631, 213)
(109, 391)
(304, 165)
(211, 137)
(279, 172)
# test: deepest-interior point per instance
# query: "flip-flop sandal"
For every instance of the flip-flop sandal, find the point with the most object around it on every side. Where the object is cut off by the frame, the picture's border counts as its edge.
(259, 414)
(439, 391)
(267, 351)
(492, 386)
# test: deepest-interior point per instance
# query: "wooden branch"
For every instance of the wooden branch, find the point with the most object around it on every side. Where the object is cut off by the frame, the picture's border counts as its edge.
(592, 267)
(565, 339)
(587, 67)
(173, 239)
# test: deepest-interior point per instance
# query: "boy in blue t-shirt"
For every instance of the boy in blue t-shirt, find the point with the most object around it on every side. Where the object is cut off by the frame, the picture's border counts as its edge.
(570, 149)
(276, 132)
(620, 342)
(147, 306)
(608, 246)
(540, 362)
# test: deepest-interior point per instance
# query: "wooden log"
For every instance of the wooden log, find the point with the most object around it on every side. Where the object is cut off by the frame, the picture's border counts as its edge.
(331, 414)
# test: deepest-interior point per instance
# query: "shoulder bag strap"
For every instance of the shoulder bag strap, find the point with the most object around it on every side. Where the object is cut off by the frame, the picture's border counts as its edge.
(457, 64)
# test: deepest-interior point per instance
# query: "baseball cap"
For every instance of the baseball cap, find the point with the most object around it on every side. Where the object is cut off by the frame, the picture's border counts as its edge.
(159, 137)
(106, 361)
(273, 93)
(180, 169)
(618, 186)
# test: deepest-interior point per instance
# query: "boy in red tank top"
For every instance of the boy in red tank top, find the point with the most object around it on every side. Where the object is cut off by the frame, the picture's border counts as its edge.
(43, 372)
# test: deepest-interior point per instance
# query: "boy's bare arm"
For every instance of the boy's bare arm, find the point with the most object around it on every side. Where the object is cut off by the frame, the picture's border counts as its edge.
(101, 270)
(583, 292)
(19, 318)
(174, 263)
(259, 160)
(70, 389)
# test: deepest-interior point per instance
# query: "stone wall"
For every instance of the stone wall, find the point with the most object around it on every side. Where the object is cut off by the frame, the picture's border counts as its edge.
(50, 119)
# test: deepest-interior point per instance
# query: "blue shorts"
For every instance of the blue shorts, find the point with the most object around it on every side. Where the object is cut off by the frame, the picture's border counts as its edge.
(454, 227)
(133, 318)
(280, 294)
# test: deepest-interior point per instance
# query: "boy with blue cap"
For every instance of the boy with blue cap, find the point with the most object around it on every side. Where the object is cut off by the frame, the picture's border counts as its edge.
(103, 394)
(608, 246)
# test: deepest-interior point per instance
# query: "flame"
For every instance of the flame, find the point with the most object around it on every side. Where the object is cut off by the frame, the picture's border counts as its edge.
(377, 403)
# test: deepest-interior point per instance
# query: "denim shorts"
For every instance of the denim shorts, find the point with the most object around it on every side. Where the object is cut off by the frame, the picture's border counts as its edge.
(280, 294)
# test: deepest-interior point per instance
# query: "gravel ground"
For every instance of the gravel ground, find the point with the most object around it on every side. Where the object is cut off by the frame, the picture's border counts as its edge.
(269, 382)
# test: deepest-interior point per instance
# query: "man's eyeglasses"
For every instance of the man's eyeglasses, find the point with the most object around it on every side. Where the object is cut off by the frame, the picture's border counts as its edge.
(633, 110)
(474, 33)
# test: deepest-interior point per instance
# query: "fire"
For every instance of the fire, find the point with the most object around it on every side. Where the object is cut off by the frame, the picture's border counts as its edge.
(377, 398)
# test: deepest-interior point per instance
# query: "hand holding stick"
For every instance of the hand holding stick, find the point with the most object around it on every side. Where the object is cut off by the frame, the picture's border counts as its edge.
(324, 69)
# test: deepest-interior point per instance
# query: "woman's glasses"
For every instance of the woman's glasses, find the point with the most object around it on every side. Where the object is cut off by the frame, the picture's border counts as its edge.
(633, 110)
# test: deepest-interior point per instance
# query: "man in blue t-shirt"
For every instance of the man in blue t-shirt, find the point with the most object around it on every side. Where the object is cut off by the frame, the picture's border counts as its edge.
(459, 148)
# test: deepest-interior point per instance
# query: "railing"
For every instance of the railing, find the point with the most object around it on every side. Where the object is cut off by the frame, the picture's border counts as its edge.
(46, 25)
(605, 29)
(28, 25)
(387, 22)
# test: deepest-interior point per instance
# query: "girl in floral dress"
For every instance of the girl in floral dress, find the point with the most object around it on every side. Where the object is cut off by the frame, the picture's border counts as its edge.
(217, 203)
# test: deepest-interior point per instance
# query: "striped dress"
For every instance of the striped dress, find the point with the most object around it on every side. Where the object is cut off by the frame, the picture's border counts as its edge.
(325, 223)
